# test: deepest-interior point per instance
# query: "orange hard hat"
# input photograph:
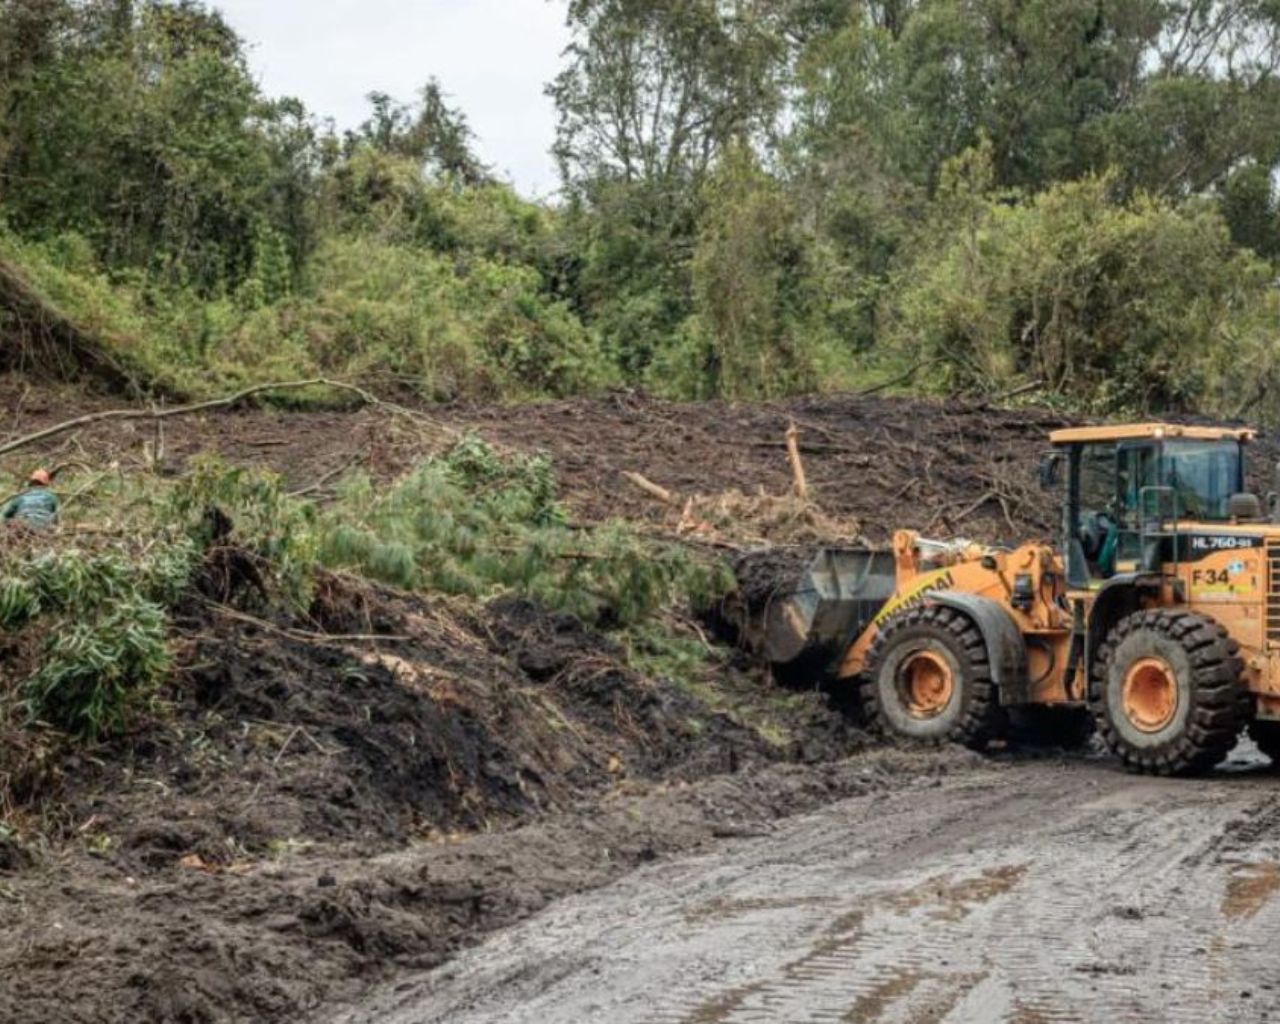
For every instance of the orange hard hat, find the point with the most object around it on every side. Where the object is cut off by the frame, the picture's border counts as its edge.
(40, 478)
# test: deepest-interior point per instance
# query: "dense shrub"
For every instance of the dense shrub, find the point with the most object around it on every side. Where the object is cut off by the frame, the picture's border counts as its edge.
(474, 523)
(1124, 305)
(103, 631)
(758, 199)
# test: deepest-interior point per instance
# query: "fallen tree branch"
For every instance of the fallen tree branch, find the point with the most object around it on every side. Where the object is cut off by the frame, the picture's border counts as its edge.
(1022, 389)
(901, 379)
(156, 415)
(969, 509)
(320, 484)
(650, 488)
(304, 635)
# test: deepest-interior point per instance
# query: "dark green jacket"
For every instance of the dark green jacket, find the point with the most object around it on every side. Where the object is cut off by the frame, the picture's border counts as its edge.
(36, 506)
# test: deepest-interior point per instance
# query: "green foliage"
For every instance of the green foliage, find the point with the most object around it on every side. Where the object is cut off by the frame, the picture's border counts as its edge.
(219, 505)
(94, 673)
(759, 198)
(93, 622)
(765, 296)
(477, 524)
(433, 134)
(150, 139)
(654, 89)
(485, 328)
(104, 631)
(1127, 306)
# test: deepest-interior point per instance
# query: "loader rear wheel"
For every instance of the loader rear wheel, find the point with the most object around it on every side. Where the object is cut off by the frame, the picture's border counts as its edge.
(930, 680)
(1266, 734)
(1166, 692)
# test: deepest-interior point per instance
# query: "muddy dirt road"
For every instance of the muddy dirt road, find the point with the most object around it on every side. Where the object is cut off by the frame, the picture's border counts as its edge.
(1026, 893)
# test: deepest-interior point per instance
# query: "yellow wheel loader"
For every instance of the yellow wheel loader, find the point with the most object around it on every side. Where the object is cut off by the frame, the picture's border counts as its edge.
(1158, 610)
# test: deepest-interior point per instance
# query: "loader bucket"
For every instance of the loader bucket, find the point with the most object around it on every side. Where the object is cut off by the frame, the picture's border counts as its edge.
(832, 600)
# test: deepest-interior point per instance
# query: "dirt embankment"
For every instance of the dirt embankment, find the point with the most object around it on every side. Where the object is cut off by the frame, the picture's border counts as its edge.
(880, 463)
(331, 801)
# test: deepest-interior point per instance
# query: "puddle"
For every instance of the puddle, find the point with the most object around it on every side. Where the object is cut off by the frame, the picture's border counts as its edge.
(1249, 888)
(839, 952)
(953, 901)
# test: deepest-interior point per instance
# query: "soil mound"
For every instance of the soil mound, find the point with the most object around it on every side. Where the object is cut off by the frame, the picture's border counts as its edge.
(201, 868)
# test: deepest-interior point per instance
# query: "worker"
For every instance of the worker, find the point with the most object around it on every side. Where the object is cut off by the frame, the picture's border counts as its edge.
(36, 507)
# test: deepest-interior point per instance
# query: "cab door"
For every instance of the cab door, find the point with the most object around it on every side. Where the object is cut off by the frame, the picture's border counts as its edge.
(1137, 469)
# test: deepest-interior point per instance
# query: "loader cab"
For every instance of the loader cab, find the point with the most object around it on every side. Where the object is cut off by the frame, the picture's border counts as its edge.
(1128, 487)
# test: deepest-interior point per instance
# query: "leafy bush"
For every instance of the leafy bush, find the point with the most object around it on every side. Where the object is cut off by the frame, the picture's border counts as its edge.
(103, 626)
(447, 327)
(95, 672)
(1126, 306)
(768, 298)
(219, 505)
(475, 523)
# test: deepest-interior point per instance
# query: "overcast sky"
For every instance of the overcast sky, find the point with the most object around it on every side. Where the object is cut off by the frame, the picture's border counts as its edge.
(492, 57)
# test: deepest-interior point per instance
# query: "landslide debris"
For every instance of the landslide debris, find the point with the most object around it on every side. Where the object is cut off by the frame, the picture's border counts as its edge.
(214, 865)
(873, 464)
(329, 799)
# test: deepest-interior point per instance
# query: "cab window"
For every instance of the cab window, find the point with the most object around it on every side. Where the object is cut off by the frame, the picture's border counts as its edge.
(1203, 475)
(1138, 470)
(1097, 477)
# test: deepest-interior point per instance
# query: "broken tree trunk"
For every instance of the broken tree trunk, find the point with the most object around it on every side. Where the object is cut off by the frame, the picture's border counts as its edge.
(800, 483)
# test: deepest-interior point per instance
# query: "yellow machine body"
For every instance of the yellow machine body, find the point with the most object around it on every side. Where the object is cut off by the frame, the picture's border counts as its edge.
(1233, 587)
(1158, 607)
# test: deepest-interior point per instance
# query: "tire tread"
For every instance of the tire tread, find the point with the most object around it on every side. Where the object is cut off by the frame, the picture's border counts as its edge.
(1220, 701)
(982, 719)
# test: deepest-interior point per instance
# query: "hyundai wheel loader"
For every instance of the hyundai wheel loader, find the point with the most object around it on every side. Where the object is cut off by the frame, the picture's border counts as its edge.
(1156, 612)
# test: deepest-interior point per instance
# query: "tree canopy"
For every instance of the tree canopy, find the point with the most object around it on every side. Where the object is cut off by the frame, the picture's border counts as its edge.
(759, 197)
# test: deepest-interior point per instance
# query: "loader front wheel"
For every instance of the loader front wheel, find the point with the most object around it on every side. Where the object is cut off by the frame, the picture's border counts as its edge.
(1166, 692)
(930, 680)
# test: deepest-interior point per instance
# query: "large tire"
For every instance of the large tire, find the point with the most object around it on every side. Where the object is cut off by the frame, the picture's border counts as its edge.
(1166, 692)
(929, 680)
(1267, 736)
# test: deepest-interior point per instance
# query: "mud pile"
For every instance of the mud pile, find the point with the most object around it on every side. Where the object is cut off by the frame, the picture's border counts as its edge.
(873, 464)
(202, 868)
(879, 464)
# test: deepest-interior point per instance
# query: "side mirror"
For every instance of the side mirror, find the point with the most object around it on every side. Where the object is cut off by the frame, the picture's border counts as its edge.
(1051, 471)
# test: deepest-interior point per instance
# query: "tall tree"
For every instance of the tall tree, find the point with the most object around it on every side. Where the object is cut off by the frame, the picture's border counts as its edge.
(655, 89)
(432, 133)
(137, 125)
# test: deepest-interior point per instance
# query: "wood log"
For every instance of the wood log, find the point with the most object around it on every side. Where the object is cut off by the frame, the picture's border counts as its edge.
(157, 415)
(650, 488)
(800, 483)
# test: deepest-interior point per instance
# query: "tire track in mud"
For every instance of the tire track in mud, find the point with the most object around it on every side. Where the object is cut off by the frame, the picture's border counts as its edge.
(1027, 893)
